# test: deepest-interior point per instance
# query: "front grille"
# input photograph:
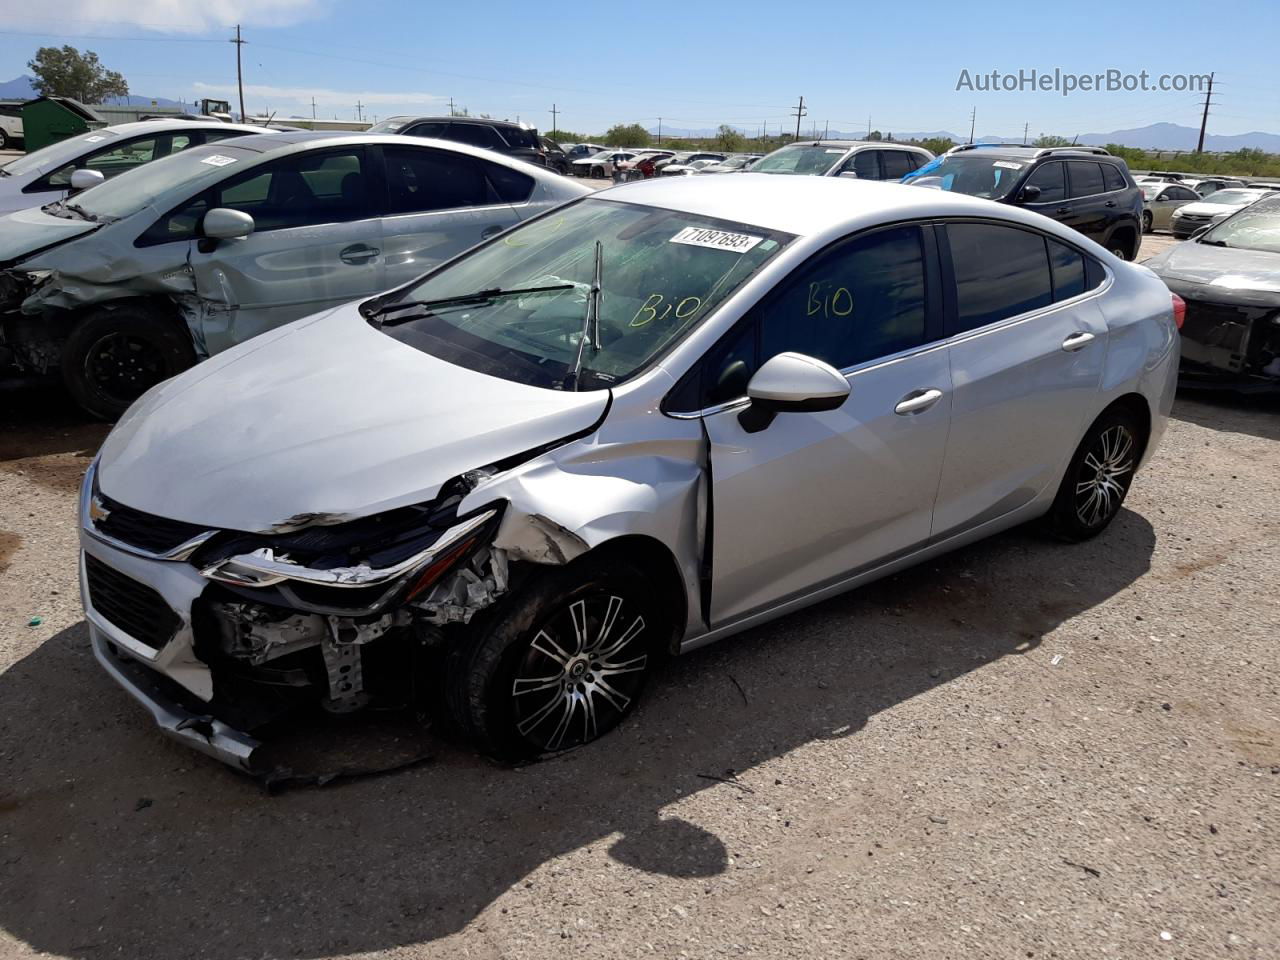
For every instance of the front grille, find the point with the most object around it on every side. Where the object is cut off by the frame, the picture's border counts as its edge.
(129, 605)
(144, 531)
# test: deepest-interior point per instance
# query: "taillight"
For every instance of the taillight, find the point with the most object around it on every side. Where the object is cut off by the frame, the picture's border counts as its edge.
(1179, 310)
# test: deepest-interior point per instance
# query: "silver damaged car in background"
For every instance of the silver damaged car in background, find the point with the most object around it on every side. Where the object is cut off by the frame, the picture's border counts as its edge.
(644, 421)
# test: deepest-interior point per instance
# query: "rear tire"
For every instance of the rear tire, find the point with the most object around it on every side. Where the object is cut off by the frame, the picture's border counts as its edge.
(1098, 477)
(559, 663)
(115, 354)
(1147, 222)
(4, 141)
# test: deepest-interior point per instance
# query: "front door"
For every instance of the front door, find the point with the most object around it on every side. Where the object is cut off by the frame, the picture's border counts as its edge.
(816, 497)
(1026, 360)
(317, 243)
(440, 203)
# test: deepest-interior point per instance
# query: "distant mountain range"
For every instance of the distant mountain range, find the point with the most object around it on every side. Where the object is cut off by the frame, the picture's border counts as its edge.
(22, 88)
(1156, 136)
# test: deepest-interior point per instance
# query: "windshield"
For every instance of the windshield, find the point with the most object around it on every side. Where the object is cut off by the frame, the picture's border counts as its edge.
(662, 273)
(58, 154)
(1256, 227)
(992, 178)
(130, 192)
(1232, 197)
(803, 159)
(391, 125)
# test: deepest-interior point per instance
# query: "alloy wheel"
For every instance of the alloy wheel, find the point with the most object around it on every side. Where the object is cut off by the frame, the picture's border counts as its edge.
(581, 672)
(1105, 475)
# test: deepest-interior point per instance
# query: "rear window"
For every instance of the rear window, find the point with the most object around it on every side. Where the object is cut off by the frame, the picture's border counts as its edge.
(1112, 178)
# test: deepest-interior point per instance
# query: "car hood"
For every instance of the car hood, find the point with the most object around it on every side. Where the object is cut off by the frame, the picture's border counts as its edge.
(1235, 274)
(29, 231)
(321, 421)
(1210, 209)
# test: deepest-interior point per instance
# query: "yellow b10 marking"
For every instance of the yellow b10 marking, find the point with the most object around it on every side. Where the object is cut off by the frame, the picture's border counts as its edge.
(840, 303)
(656, 307)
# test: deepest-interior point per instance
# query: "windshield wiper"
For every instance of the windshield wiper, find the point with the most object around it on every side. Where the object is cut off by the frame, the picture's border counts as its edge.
(590, 322)
(480, 296)
(1215, 243)
(76, 208)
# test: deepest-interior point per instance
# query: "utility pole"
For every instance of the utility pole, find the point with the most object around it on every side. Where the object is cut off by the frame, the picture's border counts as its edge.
(1025, 127)
(554, 112)
(800, 112)
(359, 106)
(239, 73)
(659, 131)
(868, 126)
(1204, 120)
(826, 128)
(313, 108)
(451, 113)
(973, 120)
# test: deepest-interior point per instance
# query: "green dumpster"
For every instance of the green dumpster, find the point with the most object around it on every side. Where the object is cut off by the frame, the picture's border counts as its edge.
(47, 120)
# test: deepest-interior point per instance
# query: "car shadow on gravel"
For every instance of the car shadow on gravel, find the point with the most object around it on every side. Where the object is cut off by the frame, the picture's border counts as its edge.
(1257, 415)
(44, 435)
(117, 842)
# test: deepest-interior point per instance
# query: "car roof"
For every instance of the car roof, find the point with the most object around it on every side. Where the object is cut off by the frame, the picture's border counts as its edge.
(850, 144)
(807, 206)
(292, 141)
(411, 118)
(151, 126)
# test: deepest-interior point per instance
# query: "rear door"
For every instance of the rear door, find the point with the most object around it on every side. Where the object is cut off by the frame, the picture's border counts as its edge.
(316, 242)
(440, 202)
(896, 164)
(1088, 209)
(816, 497)
(1026, 359)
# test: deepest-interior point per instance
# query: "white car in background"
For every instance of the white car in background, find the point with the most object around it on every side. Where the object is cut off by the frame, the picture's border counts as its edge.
(76, 163)
(135, 280)
(10, 125)
(600, 165)
(1212, 209)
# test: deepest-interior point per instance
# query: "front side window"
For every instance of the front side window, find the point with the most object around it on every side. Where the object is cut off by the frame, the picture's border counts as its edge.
(301, 190)
(109, 163)
(662, 273)
(475, 134)
(1085, 177)
(430, 129)
(1051, 179)
(1000, 272)
(864, 163)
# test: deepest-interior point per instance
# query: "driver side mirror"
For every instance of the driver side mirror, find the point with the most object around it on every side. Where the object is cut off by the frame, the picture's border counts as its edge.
(848, 173)
(83, 179)
(222, 223)
(792, 383)
(1030, 194)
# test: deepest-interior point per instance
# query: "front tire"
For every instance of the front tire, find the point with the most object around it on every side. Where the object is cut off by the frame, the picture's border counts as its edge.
(115, 354)
(1147, 222)
(559, 663)
(1098, 478)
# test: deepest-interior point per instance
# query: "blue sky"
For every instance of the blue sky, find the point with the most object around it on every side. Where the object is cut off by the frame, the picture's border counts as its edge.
(701, 64)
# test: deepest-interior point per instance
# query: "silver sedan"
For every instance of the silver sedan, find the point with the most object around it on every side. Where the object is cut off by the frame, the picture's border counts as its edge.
(646, 421)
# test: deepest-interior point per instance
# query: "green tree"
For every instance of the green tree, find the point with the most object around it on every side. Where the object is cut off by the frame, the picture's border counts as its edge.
(627, 135)
(938, 145)
(67, 72)
(1049, 140)
(728, 139)
(875, 135)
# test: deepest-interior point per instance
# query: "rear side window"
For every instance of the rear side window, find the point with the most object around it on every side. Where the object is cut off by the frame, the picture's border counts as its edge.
(475, 134)
(512, 186)
(896, 163)
(519, 137)
(1112, 178)
(1085, 177)
(866, 164)
(1068, 270)
(427, 130)
(420, 180)
(1000, 272)
(1051, 180)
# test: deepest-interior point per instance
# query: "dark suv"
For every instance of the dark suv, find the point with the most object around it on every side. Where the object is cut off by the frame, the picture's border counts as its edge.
(513, 139)
(1084, 187)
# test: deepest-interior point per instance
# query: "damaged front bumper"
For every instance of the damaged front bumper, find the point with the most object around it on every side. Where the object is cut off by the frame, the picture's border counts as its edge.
(217, 643)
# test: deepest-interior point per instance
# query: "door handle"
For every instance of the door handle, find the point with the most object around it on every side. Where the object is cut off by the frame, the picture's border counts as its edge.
(489, 231)
(1111, 203)
(358, 253)
(1062, 210)
(1076, 341)
(917, 401)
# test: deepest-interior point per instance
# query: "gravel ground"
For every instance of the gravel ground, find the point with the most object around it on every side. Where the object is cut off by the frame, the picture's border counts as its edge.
(1022, 750)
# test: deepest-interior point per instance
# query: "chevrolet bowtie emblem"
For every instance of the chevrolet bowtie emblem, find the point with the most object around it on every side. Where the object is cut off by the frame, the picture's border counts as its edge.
(98, 511)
